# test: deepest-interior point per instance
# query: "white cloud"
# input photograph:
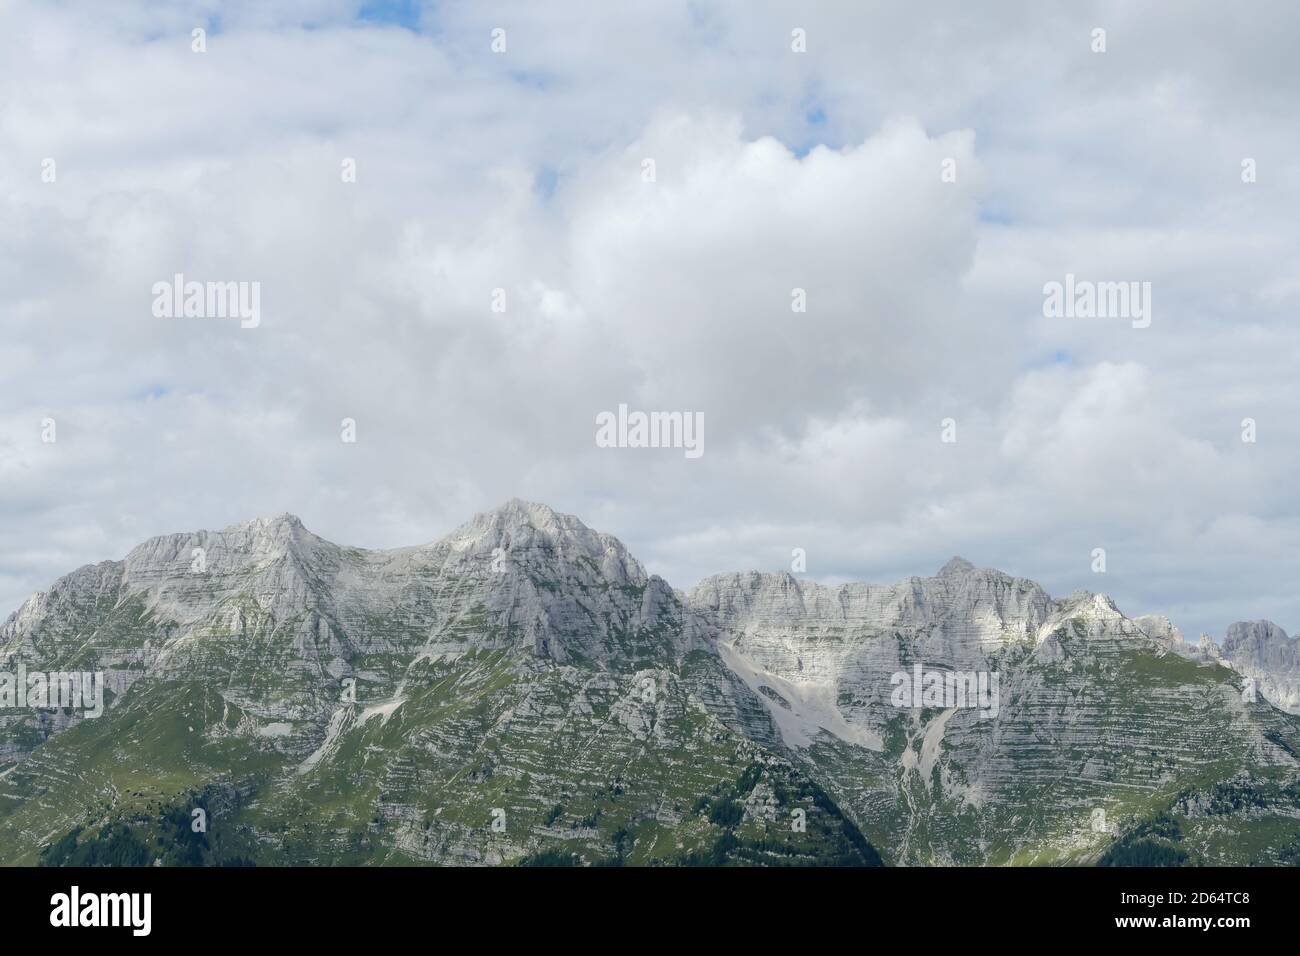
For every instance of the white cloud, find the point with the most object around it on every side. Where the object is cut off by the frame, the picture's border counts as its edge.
(774, 170)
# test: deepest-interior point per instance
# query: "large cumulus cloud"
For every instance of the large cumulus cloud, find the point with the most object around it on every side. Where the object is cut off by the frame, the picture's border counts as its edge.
(774, 171)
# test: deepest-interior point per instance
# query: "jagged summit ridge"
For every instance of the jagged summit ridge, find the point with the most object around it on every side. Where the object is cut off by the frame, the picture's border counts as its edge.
(513, 550)
(281, 554)
(524, 644)
(257, 538)
(993, 600)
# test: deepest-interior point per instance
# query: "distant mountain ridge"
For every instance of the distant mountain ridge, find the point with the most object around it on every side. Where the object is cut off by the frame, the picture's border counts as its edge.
(523, 690)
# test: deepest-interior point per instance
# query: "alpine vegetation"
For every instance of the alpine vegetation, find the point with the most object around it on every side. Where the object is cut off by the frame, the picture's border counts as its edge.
(523, 691)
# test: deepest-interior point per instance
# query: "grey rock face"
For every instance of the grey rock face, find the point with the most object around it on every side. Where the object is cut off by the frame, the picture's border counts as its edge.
(1079, 700)
(1163, 631)
(822, 658)
(1262, 650)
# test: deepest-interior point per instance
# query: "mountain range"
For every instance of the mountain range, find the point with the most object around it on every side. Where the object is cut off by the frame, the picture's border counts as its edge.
(522, 691)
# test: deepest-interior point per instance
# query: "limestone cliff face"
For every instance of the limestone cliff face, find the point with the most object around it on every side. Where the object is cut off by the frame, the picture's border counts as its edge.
(824, 657)
(962, 610)
(1262, 650)
(1083, 692)
(1163, 631)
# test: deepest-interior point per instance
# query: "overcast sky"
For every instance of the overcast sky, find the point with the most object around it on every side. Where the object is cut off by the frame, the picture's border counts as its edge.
(523, 170)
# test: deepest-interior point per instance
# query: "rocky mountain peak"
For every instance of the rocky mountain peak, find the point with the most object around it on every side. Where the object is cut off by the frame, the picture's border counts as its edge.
(283, 522)
(1262, 650)
(1160, 629)
(248, 544)
(274, 534)
(517, 515)
(956, 566)
(1259, 634)
(519, 526)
